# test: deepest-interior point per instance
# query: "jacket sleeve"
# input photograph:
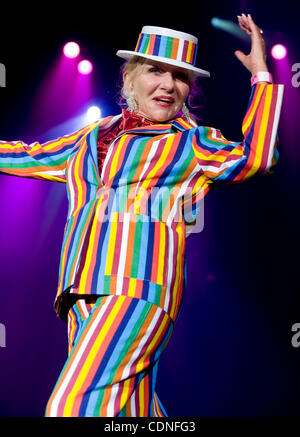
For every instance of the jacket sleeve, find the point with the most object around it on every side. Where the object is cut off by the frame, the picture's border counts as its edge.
(228, 161)
(46, 161)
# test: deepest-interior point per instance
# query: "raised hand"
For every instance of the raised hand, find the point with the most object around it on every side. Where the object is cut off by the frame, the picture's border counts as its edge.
(256, 60)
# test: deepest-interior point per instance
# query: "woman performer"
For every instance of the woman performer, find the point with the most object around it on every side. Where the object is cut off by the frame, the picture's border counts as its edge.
(135, 183)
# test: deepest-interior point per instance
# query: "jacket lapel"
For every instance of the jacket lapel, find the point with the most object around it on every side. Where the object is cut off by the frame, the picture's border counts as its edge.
(181, 124)
(106, 124)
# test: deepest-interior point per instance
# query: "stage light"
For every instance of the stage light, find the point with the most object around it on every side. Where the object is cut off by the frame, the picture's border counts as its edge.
(93, 114)
(71, 50)
(229, 27)
(85, 67)
(215, 22)
(279, 51)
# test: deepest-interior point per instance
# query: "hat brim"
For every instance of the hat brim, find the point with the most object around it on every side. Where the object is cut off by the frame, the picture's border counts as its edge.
(127, 54)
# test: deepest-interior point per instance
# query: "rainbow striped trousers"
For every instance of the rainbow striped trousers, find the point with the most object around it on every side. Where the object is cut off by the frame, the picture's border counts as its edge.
(114, 348)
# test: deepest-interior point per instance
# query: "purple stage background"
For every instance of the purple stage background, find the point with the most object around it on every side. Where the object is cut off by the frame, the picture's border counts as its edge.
(231, 353)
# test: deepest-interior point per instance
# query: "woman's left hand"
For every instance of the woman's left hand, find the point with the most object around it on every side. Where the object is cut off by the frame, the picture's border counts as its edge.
(256, 60)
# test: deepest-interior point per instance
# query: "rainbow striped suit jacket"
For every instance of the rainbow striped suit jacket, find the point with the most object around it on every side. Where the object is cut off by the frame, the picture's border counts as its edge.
(126, 227)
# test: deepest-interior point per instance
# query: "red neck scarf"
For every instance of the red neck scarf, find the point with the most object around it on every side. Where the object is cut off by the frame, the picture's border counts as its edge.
(131, 120)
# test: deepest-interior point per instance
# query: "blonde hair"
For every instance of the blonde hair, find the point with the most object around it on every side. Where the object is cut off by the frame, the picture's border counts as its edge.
(131, 67)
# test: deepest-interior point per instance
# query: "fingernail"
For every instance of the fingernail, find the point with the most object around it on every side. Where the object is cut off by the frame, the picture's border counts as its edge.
(244, 15)
(249, 16)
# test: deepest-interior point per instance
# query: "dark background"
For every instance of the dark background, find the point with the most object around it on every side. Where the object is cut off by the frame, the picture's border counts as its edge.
(231, 352)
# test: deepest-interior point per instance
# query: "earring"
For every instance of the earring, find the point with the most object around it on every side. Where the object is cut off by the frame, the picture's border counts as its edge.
(185, 111)
(131, 103)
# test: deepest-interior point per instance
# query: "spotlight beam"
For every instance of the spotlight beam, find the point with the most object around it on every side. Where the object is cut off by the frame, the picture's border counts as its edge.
(230, 27)
(70, 125)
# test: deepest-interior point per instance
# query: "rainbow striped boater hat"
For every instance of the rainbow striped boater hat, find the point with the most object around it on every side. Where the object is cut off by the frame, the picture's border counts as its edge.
(167, 46)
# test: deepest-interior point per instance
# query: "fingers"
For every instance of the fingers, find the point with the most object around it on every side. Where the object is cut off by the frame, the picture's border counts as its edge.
(244, 25)
(254, 28)
(247, 24)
